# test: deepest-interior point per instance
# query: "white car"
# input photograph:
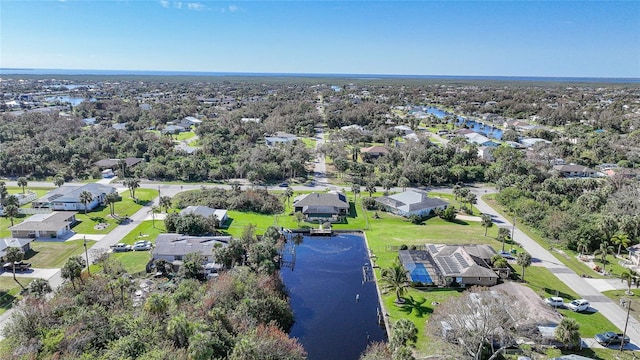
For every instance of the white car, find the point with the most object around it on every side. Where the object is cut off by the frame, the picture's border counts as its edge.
(555, 301)
(121, 247)
(142, 246)
(578, 305)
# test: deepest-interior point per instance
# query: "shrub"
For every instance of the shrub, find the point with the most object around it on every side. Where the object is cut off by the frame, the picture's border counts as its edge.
(369, 203)
(404, 247)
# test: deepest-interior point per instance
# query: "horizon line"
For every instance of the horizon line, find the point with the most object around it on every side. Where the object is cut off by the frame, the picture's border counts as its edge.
(59, 71)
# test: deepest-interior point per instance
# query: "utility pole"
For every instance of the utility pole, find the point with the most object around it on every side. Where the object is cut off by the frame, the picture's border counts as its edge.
(86, 254)
(624, 333)
(513, 230)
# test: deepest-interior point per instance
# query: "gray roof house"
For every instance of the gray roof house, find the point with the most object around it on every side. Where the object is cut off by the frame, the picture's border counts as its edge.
(206, 212)
(411, 202)
(173, 248)
(51, 225)
(322, 206)
(441, 264)
(68, 197)
(24, 244)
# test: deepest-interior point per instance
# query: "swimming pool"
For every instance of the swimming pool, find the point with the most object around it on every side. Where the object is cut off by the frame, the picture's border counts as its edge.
(420, 274)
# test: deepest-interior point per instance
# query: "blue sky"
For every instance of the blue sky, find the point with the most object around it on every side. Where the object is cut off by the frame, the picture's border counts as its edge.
(493, 38)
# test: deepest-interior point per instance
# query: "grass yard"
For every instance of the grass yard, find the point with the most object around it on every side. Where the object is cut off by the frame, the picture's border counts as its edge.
(51, 254)
(616, 295)
(184, 135)
(123, 208)
(135, 261)
(309, 142)
(567, 257)
(10, 291)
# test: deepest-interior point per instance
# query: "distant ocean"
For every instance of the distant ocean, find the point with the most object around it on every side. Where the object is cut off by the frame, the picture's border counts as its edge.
(16, 71)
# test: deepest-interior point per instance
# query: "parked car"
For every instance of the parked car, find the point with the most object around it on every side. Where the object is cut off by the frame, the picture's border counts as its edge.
(578, 305)
(142, 246)
(506, 255)
(555, 301)
(20, 266)
(611, 338)
(122, 247)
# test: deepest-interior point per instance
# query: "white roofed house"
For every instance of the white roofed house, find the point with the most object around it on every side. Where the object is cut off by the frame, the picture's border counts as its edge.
(68, 197)
(575, 171)
(280, 138)
(411, 202)
(206, 211)
(24, 244)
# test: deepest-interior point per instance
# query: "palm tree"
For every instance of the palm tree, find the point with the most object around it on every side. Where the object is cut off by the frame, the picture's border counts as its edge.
(503, 234)
(403, 332)
(111, 199)
(39, 288)
(568, 332)
(630, 277)
(154, 210)
(604, 250)
(72, 269)
(22, 182)
(11, 211)
(58, 181)
(288, 194)
(12, 200)
(524, 260)
(85, 198)
(157, 305)
(395, 278)
(622, 240)
(486, 222)
(14, 255)
(403, 182)
(165, 202)
(132, 184)
(583, 246)
(456, 191)
(355, 189)
(3, 192)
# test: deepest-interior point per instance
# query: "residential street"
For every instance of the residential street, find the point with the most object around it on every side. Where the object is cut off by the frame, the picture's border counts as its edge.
(586, 288)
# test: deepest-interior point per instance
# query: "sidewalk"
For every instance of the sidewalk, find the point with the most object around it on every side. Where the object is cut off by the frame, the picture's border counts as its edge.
(589, 289)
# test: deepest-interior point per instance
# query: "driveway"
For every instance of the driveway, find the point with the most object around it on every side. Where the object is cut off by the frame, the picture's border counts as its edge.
(586, 288)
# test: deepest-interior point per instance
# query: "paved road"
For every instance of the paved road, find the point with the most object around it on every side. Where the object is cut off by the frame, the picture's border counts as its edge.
(583, 287)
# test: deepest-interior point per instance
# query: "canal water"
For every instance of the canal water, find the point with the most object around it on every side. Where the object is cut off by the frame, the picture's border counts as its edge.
(335, 309)
(486, 130)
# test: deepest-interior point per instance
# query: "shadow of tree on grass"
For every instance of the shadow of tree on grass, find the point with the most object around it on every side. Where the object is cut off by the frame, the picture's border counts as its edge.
(412, 305)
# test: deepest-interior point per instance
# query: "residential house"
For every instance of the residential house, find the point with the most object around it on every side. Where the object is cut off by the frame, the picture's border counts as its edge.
(443, 265)
(119, 126)
(24, 244)
(51, 225)
(481, 140)
(322, 206)
(114, 164)
(485, 153)
(89, 121)
(68, 197)
(206, 211)
(174, 247)
(373, 152)
(634, 254)
(411, 202)
(404, 129)
(190, 121)
(251, 120)
(530, 142)
(280, 138)
(174, 129)
(575, 171)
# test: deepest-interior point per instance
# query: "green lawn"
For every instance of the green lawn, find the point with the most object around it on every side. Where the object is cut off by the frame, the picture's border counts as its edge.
(135, 261)
(309, 142)
(53, 254)
(10, 291)
(184, 135)
(123, 208)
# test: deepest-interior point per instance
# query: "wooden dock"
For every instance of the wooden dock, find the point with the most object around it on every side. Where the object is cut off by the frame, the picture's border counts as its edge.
(320, 232)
